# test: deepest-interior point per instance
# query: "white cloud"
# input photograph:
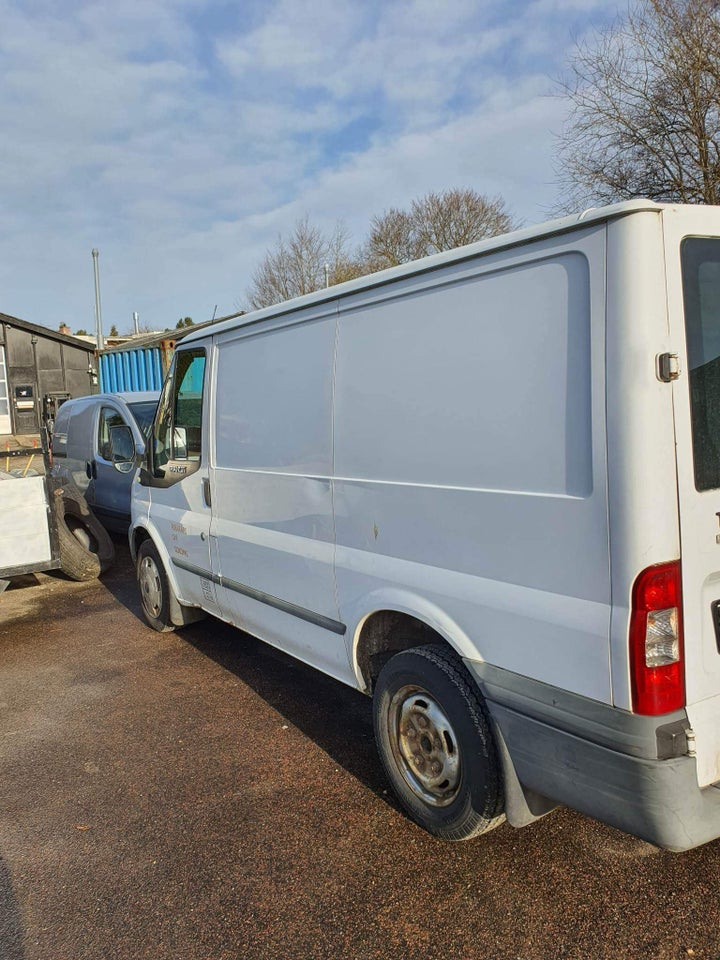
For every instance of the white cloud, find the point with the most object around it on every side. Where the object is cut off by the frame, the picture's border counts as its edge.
(180, 136)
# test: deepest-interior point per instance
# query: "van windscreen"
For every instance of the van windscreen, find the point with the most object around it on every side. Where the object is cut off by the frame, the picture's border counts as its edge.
(700, 258)
(144, 413)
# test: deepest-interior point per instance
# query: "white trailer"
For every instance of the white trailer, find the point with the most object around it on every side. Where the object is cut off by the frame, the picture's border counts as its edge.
(29, 539)
(46, 524)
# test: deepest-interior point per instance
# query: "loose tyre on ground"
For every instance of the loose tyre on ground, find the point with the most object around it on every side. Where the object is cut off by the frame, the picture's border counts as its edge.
(436, 743)
(86, 550)
(154, 588)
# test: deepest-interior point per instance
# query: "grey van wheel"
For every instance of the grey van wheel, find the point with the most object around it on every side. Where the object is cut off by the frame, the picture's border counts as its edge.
(436, 744)
(154, 588)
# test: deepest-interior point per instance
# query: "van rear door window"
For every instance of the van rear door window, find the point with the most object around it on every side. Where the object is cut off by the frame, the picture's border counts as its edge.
(701, 294)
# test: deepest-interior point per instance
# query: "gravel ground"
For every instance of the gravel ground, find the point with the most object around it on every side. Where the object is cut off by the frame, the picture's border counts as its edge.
(199, 796)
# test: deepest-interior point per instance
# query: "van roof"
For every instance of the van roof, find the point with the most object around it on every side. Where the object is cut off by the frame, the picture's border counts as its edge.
(136, 396)
(457, 255)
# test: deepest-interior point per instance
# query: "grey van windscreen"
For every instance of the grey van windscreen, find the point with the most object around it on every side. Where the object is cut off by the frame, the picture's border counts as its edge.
(143, 413)
(700, 257)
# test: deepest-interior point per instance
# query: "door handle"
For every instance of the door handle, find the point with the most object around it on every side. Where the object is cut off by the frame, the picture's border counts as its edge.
(91, 469)
(206, 492)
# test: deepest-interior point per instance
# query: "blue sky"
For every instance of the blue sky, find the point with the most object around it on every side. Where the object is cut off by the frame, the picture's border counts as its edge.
(180, 137)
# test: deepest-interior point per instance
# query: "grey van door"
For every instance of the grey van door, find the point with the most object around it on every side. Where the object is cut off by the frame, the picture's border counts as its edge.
(110, 484)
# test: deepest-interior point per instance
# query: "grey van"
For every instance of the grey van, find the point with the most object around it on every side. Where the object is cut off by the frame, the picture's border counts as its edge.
(93, 439)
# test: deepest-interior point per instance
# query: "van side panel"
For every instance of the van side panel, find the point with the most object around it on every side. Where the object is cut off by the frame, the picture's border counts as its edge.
(271, 489)
(470, 458)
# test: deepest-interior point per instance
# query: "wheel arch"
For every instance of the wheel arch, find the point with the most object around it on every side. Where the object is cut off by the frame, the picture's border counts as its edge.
(137, 535)
(180, 613)
(387, 630)
(141, 532)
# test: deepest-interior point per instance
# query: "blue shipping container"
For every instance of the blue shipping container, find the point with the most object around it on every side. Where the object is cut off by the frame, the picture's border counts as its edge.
(122, 371)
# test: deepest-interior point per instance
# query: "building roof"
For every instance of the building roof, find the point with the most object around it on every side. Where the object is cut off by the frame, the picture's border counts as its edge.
(156, 339)
(45, 332)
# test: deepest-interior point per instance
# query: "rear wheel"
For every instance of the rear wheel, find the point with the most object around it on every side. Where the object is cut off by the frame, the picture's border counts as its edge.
(154, 588)
(436, 744)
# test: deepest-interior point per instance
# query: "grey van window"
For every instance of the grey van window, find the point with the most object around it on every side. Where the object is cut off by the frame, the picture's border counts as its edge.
(108, 418)
(143, 413)
(700, 258)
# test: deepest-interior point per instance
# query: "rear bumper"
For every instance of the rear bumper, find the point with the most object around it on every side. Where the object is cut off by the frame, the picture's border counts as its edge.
(656, 800)
(561, 749)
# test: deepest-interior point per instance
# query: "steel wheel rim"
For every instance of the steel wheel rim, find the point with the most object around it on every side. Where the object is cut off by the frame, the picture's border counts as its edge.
(82, 535)
(150, 587)
(424, 746)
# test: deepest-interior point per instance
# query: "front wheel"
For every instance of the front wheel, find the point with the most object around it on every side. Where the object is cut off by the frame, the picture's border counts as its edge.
(436, 744)
(154, 588)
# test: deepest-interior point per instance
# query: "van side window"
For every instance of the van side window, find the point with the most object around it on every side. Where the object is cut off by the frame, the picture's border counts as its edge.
(701, 294)
(108, 418)
(177, 429)
(187, 421)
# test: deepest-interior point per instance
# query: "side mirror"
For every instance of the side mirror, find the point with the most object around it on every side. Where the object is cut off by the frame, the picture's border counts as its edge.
(123, 448)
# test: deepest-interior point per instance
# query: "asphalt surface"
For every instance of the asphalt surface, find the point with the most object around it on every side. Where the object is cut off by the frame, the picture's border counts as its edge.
(199, 796)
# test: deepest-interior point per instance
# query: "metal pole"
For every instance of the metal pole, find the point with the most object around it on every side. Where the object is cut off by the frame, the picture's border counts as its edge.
(136, 322)
(98, 311)
(38, 408)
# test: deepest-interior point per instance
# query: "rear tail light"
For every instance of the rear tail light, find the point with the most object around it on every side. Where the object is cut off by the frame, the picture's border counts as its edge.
(656, 641)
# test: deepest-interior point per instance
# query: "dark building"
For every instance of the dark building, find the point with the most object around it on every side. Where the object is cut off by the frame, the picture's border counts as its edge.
(39, 366)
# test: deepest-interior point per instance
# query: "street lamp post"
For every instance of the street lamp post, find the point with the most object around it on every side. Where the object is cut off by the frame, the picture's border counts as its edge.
(98, 311)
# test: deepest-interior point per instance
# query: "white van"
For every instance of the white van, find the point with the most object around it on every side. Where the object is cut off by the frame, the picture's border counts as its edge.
(485, 489)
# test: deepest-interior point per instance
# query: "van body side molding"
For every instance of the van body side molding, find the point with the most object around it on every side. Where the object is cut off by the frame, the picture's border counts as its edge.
(569, 714)
(334, 626)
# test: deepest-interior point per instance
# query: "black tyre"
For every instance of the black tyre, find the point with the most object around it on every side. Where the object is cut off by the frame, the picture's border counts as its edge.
(154, 588)
(86, 550)
(436, 744)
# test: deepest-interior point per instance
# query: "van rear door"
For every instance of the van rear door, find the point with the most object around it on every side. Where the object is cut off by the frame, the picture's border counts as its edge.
(692, 252)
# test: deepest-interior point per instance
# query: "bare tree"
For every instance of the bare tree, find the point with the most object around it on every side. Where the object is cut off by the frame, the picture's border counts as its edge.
(296, 265)
(435, 222)
(392, 241)
(456, 217)
(646, 108)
